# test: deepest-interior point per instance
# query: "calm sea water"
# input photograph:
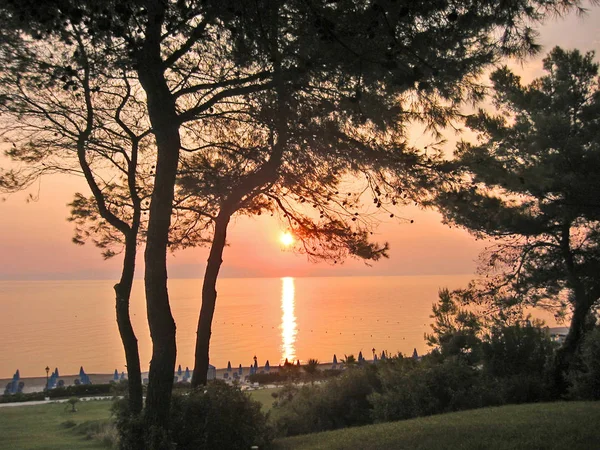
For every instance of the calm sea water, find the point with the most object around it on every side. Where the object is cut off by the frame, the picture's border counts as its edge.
(68, 324)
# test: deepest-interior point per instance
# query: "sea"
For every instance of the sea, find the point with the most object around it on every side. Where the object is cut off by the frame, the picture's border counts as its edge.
(71, 324)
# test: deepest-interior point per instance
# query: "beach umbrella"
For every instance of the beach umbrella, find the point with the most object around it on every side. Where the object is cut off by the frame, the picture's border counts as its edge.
(52, 381)
(15, 382)
(228, 366)
(81, 372)
(360, 356)
(240, 370)
(179, 371)
(415, 355)
(267, 366)
(116, 375)
(382, 355)
(375, 358)
(56, 372)
(122, 376)
(334, 359)
(255, 365)
(298, 362)
(187, 372)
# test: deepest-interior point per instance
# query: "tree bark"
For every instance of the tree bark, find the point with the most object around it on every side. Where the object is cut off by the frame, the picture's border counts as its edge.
(566, 353)
(209, 299)
(581, 307)
(130, 343)
(165, 125)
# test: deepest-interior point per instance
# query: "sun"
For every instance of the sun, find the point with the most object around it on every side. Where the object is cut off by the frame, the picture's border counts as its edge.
(286, 239)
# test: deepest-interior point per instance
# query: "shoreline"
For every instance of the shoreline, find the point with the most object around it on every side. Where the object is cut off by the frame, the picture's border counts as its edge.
(37, 384)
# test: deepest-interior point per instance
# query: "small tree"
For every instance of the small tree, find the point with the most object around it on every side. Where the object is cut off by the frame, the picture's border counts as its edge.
(455, 330)
(72, 402)
(311, 367)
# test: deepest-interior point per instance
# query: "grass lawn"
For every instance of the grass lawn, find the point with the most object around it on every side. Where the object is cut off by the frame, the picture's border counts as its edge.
(535, 426)
(37, 427)
(264, 396)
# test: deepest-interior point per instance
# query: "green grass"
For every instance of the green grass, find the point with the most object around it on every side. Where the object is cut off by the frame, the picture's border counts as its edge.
(264, 396)
(535, 426)
(52, 426)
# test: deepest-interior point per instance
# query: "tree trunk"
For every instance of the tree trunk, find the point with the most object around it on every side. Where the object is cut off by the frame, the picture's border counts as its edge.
(566, 353)
(165, 125)
(209, 299)
(130, 343)
(160, 319)
(581, 307)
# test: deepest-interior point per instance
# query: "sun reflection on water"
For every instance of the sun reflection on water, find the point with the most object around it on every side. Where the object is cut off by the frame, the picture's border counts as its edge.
(288, 320)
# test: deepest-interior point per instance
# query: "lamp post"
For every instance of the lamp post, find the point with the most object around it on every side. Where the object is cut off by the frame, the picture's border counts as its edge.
(47, 371)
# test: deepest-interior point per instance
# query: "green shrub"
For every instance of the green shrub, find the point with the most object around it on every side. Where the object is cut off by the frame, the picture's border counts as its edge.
(219, 416)
(516, 350)
(20, 397)
(81, 390)
(586, 378)
(341, 402)
(129, 427)
(411, 389)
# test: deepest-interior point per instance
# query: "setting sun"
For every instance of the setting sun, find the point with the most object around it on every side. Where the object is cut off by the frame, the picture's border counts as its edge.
(286, 239)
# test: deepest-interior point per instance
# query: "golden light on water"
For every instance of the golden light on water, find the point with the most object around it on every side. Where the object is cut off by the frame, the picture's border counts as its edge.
(288, 320)
(286, 240)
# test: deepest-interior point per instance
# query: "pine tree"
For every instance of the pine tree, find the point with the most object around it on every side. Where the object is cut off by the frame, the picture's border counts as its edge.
(531, 183)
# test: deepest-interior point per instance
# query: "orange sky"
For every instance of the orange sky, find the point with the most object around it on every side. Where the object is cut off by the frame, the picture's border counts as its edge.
(35, 238)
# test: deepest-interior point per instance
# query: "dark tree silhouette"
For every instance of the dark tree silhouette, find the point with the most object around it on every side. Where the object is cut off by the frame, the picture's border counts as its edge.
(65, 114)
(531, 185)
(432, 49)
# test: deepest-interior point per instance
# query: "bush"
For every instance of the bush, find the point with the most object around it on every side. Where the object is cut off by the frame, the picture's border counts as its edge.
(220, 416)
(586, 378)
(412, 389)
(341, 402)
(516, 350)
(20, 397)
(130, 428)
(81, 390)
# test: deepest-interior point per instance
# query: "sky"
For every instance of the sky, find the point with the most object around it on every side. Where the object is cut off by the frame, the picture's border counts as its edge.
(35, 237)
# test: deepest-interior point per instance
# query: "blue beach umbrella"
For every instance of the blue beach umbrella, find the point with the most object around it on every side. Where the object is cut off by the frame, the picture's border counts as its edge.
(360, 357)
(415, 355)
(382, 355)
(335, 359)
(240, 370)
(228, 366)
(15, 382)
(179, 371)
(56, 372)
(122, 376)
(267, 366)
(52, 381)
(116, 375)
(187, 372)
(255, 365)
(81, 372)
(375, 358)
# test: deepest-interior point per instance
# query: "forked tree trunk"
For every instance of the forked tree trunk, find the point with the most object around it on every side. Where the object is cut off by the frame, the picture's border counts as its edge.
(209, 299)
